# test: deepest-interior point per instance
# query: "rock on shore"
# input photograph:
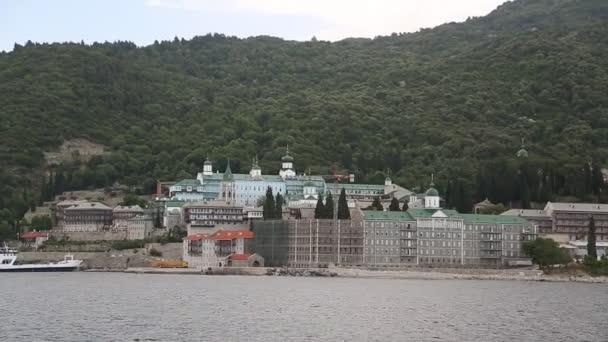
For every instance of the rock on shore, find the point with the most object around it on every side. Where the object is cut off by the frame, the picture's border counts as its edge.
(296, 272)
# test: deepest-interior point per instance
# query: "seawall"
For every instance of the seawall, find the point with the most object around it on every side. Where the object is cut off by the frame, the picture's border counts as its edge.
(110, 260)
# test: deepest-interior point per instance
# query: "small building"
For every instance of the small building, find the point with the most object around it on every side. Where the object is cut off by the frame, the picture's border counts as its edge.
(87, 217)
(173, 213)
(578, 249)
(477, 208)
(244, 260)
(34, 239)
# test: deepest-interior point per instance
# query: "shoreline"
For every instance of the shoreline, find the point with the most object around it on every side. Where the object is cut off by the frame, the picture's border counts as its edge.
(361, 273)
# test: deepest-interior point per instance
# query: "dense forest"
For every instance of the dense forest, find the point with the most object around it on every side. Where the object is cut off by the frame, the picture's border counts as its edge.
(455, 100)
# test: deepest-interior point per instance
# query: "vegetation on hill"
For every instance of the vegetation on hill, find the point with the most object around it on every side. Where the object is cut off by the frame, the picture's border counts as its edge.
(455, 100)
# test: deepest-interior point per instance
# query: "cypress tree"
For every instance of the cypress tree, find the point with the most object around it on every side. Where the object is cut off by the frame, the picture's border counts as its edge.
(279, 207)
(524, 189)
(157, 221)
(320, 209)
(376, 205)
(343, 212)
(394, 205)
(329, 206)
(268, 211)
(597, 179)
(591, 238)
(406, 207)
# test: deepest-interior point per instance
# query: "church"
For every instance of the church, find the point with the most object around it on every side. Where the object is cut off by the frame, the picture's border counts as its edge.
(248, 189)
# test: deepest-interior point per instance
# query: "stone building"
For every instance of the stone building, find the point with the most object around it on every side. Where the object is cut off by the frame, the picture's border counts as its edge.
(429, 236)
(139, 227)
(87, 216)
(309, 243)
(389, 238)
(565, 222)
(123, 213)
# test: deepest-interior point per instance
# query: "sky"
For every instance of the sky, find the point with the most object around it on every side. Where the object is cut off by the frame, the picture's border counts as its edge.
(143, 21)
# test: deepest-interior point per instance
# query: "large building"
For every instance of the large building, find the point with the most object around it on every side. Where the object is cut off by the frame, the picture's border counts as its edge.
(249, 190)
(210, 216)
(567, 221)
(428, 236)
(222, 248)
(87, 217)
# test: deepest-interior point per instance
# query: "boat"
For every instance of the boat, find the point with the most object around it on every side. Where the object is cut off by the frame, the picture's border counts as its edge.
(8, 263)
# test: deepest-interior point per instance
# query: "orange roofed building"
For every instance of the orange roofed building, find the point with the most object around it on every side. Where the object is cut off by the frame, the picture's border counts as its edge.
(222, 248)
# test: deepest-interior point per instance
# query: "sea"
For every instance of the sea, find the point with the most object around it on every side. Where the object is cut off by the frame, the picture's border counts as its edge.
(83, 306)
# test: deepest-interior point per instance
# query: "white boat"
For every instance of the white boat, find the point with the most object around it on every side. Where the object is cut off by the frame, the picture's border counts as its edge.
(8, 258)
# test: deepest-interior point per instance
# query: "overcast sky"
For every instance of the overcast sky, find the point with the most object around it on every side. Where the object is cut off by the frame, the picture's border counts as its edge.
(143, 21)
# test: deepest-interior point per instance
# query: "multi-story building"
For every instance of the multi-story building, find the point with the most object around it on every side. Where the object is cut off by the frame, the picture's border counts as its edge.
(88, 216)
(429, 236)
(59, 210)
(139, 227)
(389, 238)
(173, 213)
(309, 243)
(568, 221)
(249, 189)
(210, 216)
(123, 213)
(219, 249)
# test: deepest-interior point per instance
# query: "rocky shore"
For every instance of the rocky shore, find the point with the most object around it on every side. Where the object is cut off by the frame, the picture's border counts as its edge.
(436, 274)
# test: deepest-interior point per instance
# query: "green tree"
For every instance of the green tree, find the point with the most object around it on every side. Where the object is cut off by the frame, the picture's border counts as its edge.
(546, 253)
(329, 206)
(376, 205)
(41, 222)
(591, 239)
(320, 208)
(394, 205)
(496, 209)
(279, 207)
(343, 212)
(131, 199)
(269, 211)
(158, 223)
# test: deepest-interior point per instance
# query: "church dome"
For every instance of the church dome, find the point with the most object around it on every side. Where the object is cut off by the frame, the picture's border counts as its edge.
(431, 192)
(287, 158)
(208, 162)
(522, 153)
(308, 184)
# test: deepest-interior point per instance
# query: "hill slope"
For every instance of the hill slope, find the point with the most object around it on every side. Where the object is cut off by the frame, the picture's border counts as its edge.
(454, 100)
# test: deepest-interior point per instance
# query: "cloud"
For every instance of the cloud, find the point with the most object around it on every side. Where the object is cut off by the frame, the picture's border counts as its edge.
(351, 18)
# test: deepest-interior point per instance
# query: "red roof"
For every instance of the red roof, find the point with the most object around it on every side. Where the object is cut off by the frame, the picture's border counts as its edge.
(223, 235)
(232, 234)
(33, 235)
(197, 237)
(239, 256)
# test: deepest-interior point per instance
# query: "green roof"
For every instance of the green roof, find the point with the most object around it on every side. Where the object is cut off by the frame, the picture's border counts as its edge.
(387, 215)
(423, 213)
(352, 186)
(188, 182)
(175, 203)
(493, 219)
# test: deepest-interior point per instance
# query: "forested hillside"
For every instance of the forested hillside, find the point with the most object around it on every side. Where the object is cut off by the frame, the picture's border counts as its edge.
(455, 101)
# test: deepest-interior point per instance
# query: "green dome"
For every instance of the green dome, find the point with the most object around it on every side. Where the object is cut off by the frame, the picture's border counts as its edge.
(309, 184)
(287, 158)
(522, 153)
(432, 192)
(208, 162)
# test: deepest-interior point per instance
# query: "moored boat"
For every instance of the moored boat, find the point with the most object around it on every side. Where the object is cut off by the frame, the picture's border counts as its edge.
(8, 263)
